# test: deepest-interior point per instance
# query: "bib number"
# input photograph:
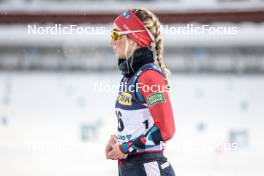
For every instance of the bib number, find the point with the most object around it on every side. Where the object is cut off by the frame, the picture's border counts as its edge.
(120, 122)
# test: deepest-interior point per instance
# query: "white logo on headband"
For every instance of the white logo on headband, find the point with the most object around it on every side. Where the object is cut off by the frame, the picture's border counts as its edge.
(126, 15)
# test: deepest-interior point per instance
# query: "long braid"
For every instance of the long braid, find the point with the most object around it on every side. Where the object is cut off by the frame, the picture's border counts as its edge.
(153, 25)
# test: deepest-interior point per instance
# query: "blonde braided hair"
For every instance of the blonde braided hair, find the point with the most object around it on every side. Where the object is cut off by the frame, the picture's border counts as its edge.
(153, 25)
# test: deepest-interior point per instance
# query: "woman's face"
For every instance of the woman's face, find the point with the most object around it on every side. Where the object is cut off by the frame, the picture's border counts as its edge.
(119, 45)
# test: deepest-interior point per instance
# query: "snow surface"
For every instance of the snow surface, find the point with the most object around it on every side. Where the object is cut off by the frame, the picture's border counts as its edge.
(41, 133)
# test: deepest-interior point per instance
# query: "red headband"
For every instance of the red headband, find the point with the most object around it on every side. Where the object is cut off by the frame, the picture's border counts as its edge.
(129, 21)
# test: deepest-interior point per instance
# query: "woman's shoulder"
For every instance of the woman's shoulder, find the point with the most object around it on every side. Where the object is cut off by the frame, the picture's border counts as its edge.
(151, 76)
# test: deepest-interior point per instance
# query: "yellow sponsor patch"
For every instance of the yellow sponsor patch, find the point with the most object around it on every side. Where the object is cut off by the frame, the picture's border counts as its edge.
(125, 99)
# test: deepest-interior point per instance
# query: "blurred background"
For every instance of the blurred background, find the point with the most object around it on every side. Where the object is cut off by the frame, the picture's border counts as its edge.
(57, 109)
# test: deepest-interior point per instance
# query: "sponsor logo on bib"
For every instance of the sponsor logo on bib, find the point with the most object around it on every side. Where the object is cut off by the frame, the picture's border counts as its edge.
(125, 99)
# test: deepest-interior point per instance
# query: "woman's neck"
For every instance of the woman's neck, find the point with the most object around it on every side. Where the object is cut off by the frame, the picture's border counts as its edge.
(140, 57)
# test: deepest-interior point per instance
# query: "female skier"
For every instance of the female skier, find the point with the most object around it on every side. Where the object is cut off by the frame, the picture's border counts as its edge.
(143, 108)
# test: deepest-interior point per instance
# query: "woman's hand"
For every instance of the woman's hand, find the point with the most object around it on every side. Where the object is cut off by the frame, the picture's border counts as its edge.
(112, 141)
(116, 153)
